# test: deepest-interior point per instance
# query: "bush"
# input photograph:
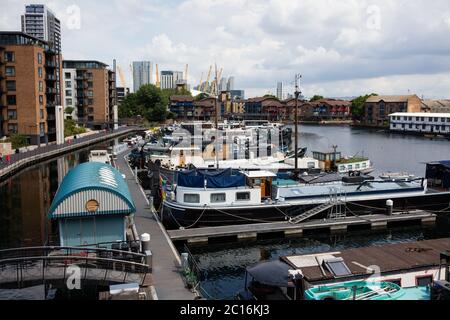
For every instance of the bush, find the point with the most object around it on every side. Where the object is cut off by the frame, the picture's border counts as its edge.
(18, 141)
(71, 128)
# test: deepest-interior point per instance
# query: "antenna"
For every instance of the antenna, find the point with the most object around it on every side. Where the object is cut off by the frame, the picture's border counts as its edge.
(297, 94)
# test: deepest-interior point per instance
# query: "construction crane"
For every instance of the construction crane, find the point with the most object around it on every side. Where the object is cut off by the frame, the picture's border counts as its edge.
(122, 77)
(158, 82)
(205, 86)
(201, 83)
(215, 83)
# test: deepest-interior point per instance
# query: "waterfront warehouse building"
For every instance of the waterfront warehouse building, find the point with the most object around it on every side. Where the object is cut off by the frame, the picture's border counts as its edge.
(426, 123)
(93, 205)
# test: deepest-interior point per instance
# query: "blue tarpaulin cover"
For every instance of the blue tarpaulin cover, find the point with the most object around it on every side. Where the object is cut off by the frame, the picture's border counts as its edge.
(214, 179)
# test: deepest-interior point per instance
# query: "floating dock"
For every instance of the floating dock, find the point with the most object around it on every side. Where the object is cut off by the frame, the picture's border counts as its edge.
(166, 266)
(253, 231)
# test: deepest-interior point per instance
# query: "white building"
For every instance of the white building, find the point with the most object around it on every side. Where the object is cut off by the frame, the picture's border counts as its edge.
(280, 91)
(435, 123)
(170, 79)
(70, 93)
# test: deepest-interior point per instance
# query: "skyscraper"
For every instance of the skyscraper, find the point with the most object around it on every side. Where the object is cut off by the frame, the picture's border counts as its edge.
(223, 84)
(280, 90)
(170, 79)
(230, 85)
(39, 22)
(142, 74)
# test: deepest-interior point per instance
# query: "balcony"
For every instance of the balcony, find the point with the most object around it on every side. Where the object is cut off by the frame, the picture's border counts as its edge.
(51, 105)
(50, 64)
(50, 77)
(51, 91)
(51, 117)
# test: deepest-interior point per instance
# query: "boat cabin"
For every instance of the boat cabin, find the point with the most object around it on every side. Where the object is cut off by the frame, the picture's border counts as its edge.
(420, 269)
(334, 161)
(101, 156)
(262, 180)
(92, 206)
(438, 174)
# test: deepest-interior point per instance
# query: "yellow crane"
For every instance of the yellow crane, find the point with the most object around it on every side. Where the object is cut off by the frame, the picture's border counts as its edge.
(215, 83)
(206, 85)
(158, 82)
(201, 83)
(122, 77)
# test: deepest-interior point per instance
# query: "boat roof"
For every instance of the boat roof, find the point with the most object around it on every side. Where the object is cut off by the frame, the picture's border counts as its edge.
(259, 174)
(389, 258)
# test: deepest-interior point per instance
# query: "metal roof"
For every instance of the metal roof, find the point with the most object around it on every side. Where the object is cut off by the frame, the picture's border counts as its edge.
(92, 181)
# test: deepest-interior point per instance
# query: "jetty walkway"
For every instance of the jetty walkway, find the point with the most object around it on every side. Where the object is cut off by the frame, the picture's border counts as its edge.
(166, 264)
(21, 160)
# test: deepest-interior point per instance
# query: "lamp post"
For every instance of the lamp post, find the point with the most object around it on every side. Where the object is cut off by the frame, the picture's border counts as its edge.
(297, 95)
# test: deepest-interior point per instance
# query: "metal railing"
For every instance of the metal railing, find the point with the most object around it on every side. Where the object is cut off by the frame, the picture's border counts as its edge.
(18, 160)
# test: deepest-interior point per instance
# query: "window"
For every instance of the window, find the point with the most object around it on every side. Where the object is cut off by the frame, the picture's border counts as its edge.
(337, 267)
(422, 119)
(341, 168)
(350, 167)
(67, 75)
(442, 119)
(243, 196)
(395, 281)
(69, 84)
(364, 165)
(69, 102)
(41, 113)
(424, 126)
(40, 72)
(39, 56)
(12, 114)
(191, 198)
(10, 71)
(90, 84)
(68, 93)
(218, 197)
(90, 93)
(42, 128)
(436, 119)
(424, 281)
(41, 100)
(10, 56)
(410, 125)
(12, 128)
(311, 165)
(394, 125)
(357, 167)
(41, 86)
(11, 100)
(11, 85)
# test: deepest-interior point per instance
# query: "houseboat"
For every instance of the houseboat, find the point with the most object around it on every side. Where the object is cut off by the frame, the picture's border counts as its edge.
(217, 197)
(335, 162)
(406, 271)
(101, 156)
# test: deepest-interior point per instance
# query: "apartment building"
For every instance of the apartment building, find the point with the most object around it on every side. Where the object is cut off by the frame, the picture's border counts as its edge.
(90, 91)
(29, 87)
(433, 123)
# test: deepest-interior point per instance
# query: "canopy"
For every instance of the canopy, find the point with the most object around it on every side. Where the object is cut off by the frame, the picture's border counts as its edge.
(220, 179)
(272, 273)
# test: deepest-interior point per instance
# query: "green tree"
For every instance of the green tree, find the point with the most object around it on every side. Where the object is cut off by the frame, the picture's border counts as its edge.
(18, 141)
(316, 98)
(71, 128)
(69, 110)
(357, 107)
(201, 96)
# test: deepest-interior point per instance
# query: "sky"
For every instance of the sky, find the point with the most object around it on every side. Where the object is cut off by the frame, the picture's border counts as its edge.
(342, 48)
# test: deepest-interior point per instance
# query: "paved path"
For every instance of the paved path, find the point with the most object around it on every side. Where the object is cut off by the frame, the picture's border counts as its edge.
(166, 262)
(25, 159)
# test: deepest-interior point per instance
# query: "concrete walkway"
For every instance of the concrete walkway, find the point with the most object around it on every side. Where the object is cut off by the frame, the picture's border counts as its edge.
(166, 262)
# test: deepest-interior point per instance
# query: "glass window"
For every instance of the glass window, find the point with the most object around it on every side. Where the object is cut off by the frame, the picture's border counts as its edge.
(341, 168)
(442, 119)
(39, 55)
(218, 197)
(68, 84)
(40, 72)
(364, 165)
(424, 281)
(42, 128)
(41, 100)
(12, 115)
(358, 166)
(11, 85)
(69, 102)
(395, 281)
(42, 113)
(242, 196)
(350, 167)
(67, 75)
(191, 198)
(12, 128)
(10, 71)
(41, 86)
(69, 93)
(10, 56)
(11, 100)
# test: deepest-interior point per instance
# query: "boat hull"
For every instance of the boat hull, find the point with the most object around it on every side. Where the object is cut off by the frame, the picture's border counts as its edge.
(175, 217)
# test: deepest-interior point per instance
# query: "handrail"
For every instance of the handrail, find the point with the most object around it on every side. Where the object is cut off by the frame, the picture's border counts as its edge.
(55, 248)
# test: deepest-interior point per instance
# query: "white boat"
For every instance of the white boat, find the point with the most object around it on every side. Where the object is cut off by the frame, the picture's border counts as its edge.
(397, 176)
(101, 156)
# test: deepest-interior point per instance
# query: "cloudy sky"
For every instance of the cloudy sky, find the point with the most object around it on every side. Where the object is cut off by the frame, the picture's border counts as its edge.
(341, 47)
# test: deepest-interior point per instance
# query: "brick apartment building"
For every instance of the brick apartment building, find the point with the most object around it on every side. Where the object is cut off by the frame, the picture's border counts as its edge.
(378, 108)
(30, 83)
(90, 90)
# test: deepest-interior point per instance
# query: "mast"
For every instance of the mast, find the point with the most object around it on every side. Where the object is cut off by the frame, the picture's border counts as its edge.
(297, 94)
(216, 94)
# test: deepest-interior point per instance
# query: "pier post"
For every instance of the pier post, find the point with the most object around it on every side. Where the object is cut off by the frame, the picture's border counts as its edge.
(145, 242)
(389, 207)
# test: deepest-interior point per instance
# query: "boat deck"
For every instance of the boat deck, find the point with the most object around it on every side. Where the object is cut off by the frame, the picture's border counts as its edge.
(251, 231)
(167, 279)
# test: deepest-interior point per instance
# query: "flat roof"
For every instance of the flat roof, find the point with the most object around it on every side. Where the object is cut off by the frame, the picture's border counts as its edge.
(390, 258)
(419, 114)
(259, 174)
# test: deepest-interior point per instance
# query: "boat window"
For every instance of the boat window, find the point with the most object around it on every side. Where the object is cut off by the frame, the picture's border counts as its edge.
(311, 165)
(424, 281)
(350, 167)
(191, 198)
(357, 166)
(364, 165)
(242, 196)
(342, 168)
(395, 281)
(337, 267)
(218, 197)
